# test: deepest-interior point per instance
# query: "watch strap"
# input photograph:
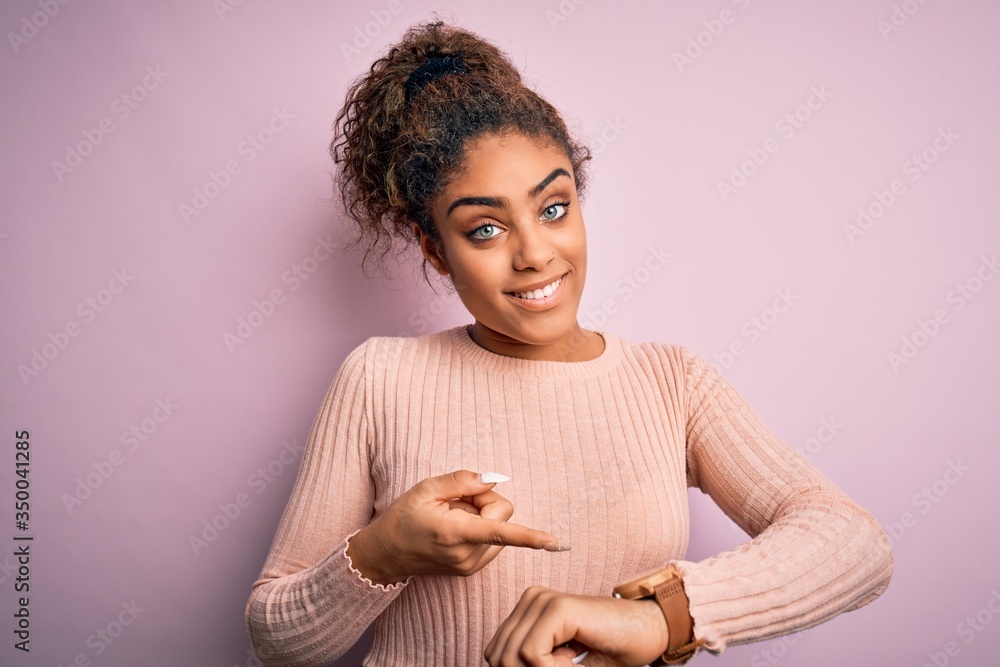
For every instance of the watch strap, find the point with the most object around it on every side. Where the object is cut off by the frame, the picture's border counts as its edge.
(667, 588)
(674, 602)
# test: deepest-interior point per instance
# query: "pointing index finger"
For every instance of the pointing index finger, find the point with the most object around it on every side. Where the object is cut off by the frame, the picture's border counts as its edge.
(507, 534)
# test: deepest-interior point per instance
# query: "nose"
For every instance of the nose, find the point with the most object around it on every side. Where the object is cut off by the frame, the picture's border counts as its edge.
(534, 250)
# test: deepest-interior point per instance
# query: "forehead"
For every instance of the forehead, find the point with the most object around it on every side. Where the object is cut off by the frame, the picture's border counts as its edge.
(512, 163)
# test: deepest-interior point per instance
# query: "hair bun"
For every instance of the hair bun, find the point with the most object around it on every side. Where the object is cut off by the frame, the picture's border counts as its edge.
(435, 67)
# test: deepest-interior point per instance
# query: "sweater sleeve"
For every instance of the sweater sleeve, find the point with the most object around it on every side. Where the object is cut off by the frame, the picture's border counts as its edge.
(310, 605)
(814, 552)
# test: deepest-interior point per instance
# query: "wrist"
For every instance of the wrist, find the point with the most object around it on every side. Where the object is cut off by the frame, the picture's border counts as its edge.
(371, 558)
(656, 621)
(666, 589)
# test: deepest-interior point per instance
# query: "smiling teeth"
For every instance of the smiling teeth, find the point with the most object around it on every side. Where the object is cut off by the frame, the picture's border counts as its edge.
(539, 293)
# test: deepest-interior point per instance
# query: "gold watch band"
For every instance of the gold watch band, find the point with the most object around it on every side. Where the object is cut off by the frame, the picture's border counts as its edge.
(667, 588)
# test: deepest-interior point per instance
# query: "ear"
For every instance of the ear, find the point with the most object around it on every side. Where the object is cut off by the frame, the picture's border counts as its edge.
(430, 250)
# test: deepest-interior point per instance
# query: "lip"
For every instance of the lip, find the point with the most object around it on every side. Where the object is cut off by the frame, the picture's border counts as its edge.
(544, 303)
(538, 285)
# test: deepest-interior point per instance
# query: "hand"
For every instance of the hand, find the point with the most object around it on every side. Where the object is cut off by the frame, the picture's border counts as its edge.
(452, 524)
(616, 632)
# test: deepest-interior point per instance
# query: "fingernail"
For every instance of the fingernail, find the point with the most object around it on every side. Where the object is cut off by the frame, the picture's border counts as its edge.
(555, 546)
(578, 659)
(491, 477)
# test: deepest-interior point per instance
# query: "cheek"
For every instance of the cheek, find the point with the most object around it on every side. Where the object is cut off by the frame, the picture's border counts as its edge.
(576, 245)
(475, 277)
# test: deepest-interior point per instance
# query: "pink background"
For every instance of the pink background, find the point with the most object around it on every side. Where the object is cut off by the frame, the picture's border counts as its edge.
(665, 133)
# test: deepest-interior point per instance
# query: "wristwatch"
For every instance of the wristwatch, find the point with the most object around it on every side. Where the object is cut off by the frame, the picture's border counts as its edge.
(667, 588)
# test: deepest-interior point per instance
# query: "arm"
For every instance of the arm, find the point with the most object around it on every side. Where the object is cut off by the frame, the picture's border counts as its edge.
(814, 554)
(310, 604)
(332, 569)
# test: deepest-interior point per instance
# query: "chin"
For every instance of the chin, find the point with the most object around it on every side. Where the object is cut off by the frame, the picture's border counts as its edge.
(542, 333)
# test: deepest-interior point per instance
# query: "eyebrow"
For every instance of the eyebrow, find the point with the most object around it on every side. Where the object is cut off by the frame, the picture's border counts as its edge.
(501, 202)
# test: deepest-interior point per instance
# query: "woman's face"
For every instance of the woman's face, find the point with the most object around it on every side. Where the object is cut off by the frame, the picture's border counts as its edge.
(510, 225)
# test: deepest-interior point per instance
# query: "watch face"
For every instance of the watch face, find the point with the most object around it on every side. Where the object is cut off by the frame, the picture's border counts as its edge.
(645, 586)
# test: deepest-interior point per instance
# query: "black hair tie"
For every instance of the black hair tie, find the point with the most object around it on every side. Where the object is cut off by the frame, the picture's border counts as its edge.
(434, 68)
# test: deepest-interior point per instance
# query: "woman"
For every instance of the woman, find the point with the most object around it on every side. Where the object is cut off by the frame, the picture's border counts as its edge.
(592, 440)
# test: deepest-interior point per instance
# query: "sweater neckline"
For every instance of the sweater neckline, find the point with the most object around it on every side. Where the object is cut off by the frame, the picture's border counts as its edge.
(608, 359)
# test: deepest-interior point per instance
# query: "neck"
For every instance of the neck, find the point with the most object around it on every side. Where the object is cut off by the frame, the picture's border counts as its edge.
(578, 345)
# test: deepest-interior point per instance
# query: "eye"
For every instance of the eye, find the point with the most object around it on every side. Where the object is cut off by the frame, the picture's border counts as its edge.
(484, 232)
(555, 211)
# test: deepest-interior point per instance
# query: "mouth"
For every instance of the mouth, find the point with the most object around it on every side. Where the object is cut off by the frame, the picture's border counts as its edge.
(542, 298)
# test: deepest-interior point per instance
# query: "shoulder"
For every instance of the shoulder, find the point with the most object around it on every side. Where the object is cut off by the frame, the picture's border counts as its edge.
(388, 345)
(686, 371)
(674, 357)
(387, 352)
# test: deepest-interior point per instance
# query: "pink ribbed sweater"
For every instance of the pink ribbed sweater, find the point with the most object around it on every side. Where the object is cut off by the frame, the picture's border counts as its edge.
(600, 453)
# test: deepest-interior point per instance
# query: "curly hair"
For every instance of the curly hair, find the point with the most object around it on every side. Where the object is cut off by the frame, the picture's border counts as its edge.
(395, 155)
